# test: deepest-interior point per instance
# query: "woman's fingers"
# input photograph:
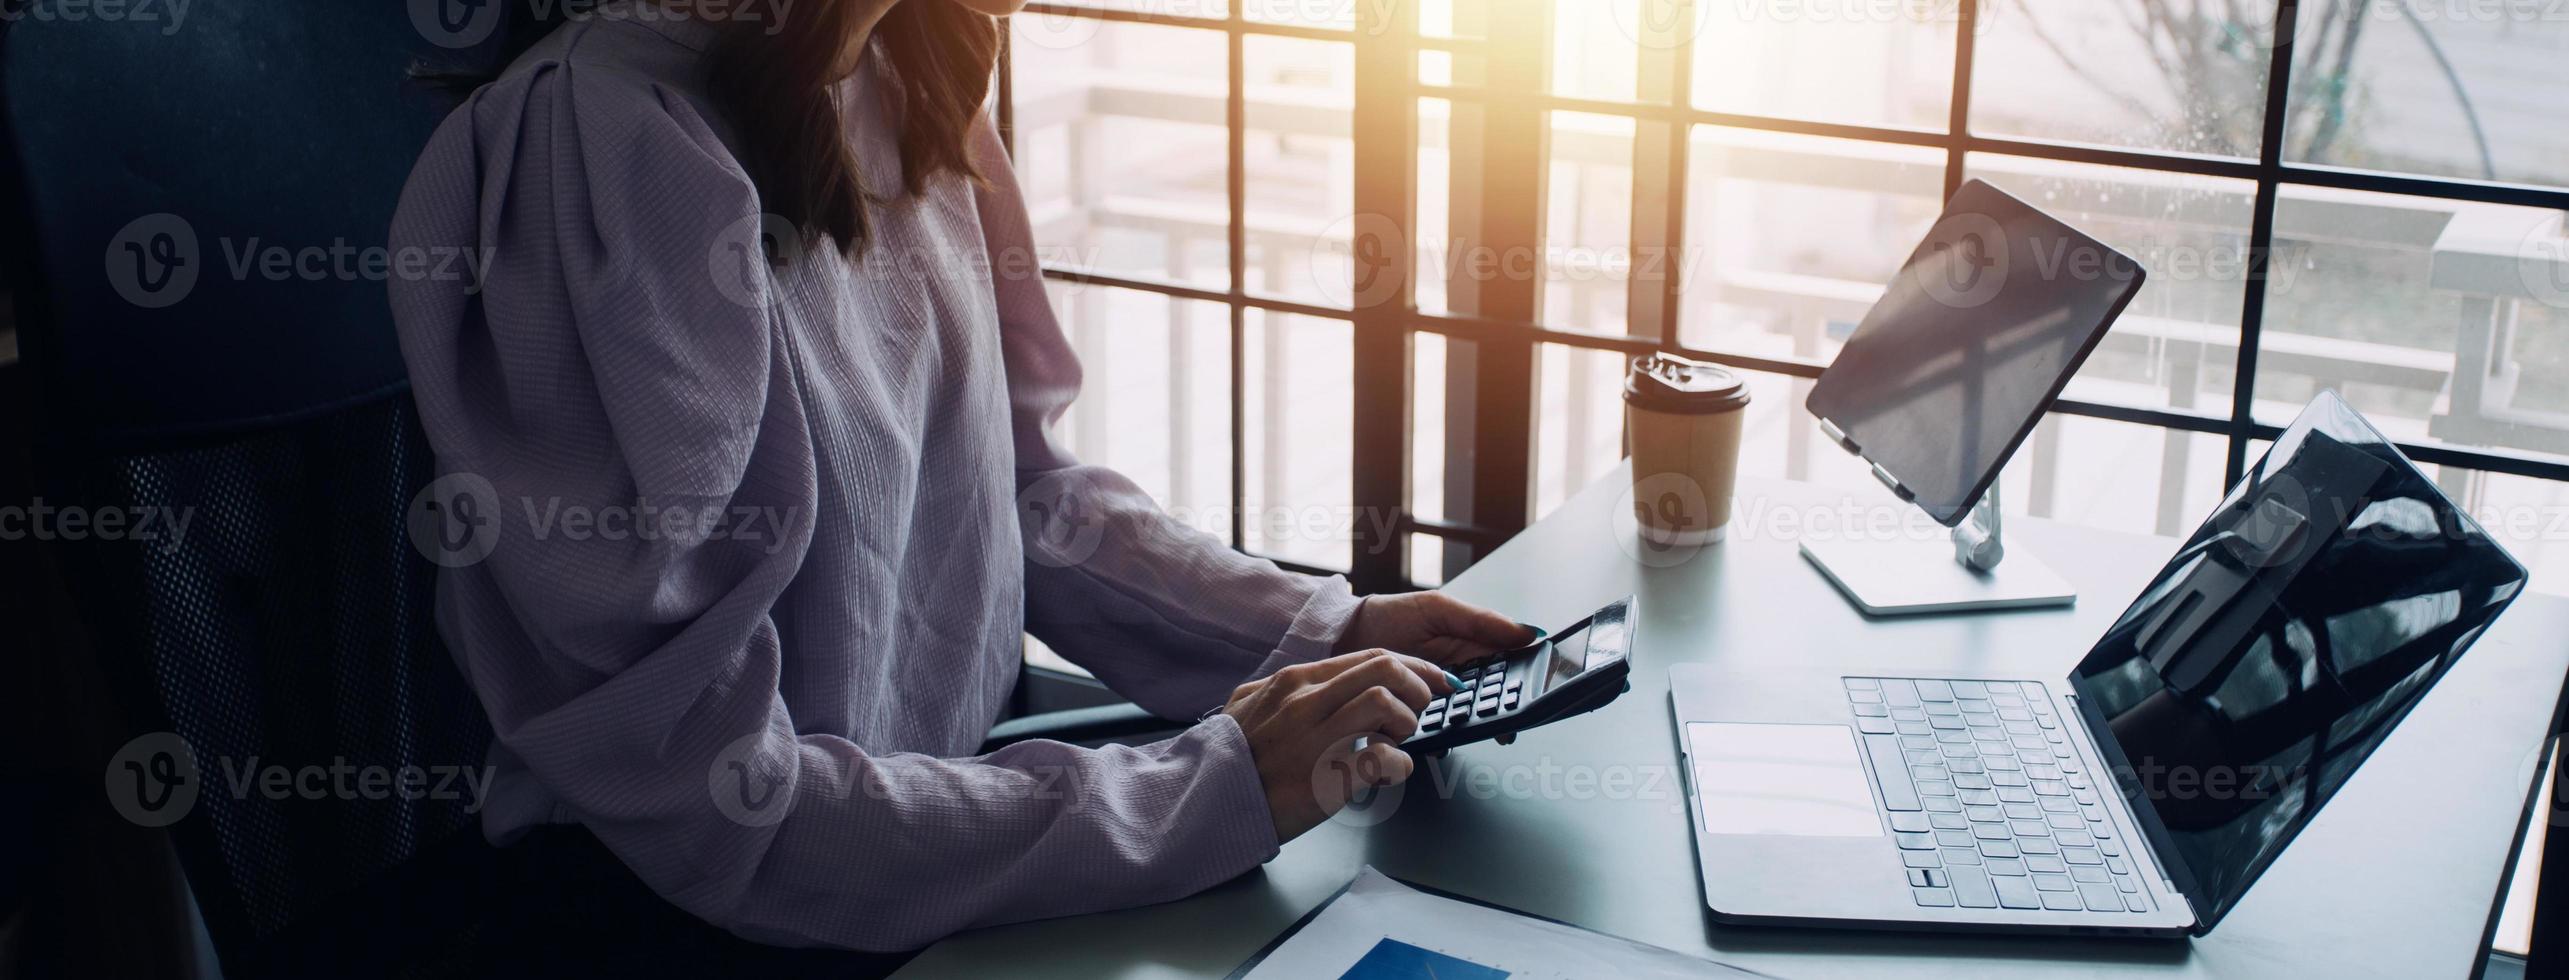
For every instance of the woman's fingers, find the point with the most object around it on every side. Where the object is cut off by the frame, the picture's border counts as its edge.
(1376, 712)
(1465, 621)
(1413, 681)
(1382, 763)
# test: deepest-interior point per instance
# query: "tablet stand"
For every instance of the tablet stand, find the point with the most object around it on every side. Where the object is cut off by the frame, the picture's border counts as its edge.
(1901, 577)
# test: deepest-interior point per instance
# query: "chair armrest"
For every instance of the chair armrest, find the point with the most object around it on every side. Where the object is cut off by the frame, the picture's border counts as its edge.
(1104, 724)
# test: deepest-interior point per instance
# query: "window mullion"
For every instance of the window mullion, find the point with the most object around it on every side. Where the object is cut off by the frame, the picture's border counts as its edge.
(1385, 131)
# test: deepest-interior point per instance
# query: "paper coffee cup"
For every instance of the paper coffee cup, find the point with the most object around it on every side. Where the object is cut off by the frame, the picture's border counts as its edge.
(1681, 427)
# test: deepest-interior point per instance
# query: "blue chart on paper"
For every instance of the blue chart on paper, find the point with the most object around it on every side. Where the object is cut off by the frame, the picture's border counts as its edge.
(1392, 959)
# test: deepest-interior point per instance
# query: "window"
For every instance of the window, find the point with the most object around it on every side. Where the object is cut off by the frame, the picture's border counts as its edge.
(1356, 280)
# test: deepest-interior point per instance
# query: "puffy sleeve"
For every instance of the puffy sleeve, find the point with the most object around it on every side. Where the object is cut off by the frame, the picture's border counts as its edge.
(604, 365)
(1163, 613)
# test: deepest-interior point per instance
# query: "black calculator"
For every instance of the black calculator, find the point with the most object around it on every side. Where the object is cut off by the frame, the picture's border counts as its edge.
(1572, 672)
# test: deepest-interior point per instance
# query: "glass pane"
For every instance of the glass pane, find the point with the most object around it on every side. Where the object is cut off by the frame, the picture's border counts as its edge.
(1121, 149)
(1843, 61)
(1333, 14)
(1436, 67)
(1426, 560)
(1428, 437)
(2442, 321)
(1216, 9)
(2524, 884)
(2529, 516)
(2115, 475)
(1593, 49)
(2182, 75)
(1434, 234)
(1155, 402)
(1301, 169)
(1299, 502)
(2080, 470)
(1578, 421)
(1587, 229)
(2176, 345)
(1452, 18)
(1790, 239)
(2458, 89)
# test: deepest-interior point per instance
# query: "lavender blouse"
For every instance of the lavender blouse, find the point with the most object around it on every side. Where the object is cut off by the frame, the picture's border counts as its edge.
(764, 538)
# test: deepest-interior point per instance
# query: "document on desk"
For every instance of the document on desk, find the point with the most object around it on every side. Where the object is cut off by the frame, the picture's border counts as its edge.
(1380, 929)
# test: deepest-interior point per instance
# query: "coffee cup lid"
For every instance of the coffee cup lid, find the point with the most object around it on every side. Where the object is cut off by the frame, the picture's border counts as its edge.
(1664, 382)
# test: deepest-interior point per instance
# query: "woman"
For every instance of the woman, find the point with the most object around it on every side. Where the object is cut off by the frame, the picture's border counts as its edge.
(766, 706)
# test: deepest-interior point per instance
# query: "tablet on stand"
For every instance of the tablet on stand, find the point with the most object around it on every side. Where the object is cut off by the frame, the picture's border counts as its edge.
(1947, 374)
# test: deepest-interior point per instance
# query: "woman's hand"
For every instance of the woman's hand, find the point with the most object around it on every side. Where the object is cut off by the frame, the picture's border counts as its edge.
(1433, 625)
(1303, 723)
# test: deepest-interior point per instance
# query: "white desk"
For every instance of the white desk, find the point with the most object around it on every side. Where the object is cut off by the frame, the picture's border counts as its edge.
(2396, 878)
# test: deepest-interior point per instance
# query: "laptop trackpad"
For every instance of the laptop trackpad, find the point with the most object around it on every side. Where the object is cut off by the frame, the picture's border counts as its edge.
(1793, 780)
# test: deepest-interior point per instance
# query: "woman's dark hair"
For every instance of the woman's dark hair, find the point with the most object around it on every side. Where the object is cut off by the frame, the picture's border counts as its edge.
(779, 91)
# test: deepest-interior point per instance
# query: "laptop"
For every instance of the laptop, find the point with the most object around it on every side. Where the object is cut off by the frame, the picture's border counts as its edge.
(2144, 792)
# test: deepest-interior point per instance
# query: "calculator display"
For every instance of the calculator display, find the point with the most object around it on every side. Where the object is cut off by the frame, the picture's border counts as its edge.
(1569, 657)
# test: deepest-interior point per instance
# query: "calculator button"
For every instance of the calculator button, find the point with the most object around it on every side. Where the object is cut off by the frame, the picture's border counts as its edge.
(1511, 702)
(1489, 705)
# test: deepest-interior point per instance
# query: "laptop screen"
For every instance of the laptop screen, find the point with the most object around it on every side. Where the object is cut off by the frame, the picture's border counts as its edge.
(2278, 648)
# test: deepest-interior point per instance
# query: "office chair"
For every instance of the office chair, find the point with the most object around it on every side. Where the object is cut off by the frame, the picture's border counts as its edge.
(291, 623)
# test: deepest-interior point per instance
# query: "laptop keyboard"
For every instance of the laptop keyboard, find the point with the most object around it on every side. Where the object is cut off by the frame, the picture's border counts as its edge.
(1987, 799)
